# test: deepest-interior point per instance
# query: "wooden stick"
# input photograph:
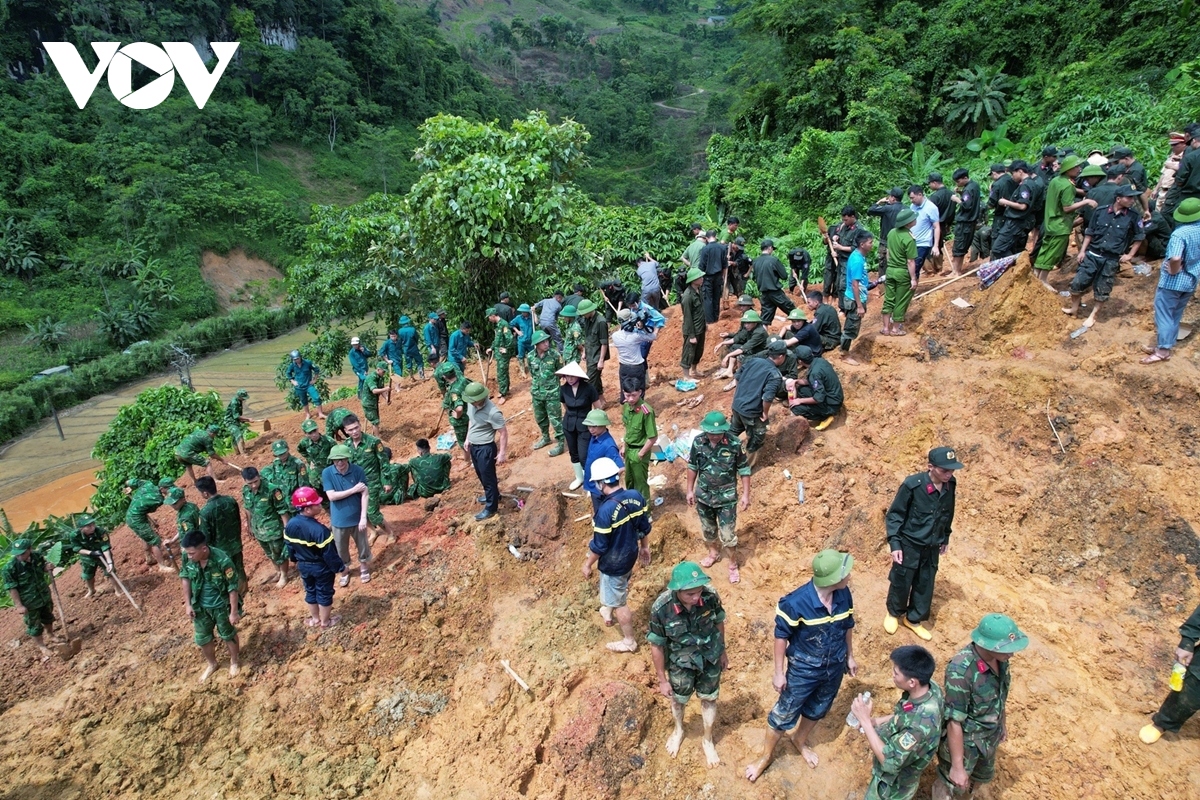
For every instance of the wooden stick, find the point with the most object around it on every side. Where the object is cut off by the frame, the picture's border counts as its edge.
(947, 283)
(514, 675)
(1051, 421)
(109, 567)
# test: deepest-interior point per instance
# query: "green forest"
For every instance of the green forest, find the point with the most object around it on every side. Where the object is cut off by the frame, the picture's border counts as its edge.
(389, 156)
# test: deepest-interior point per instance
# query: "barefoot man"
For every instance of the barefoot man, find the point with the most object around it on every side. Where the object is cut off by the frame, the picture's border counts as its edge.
(210, 592)
(311, 545)
(687, 642)
(814, 648)
(25, 579)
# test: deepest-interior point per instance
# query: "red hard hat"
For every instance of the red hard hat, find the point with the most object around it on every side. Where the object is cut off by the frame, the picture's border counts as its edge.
(305, 496)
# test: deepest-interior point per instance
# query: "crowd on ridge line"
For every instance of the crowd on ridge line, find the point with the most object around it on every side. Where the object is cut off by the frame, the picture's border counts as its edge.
(346, 467)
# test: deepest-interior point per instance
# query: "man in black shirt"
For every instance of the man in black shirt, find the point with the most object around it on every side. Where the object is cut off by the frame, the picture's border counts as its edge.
(886, 209)
(1135, 173)
(758, 383)
(942, 198)
(1108, 242)
(1046, 167)
(970, 209)
(1003, 185)
(843, 238)
(769, 275)
(1014, 211)
(713, 263)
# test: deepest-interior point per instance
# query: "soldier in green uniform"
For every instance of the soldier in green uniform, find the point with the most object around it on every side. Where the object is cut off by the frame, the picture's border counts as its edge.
(1059, 218)
(187, 516)
(572, 335)
(236, 420)
(715, 467)
(89, 540)
(25, 579)
(430, 472)
(595, 350)
(503, 349)
(900, 277)
(456, 407)
(446, 374)
(695, 325)
(334, 424)
(640, 433)
(903, 742)
(286, 472)
(210, 592)
(315, 447)
(687, 645)
(818, 395)
(547, 404)
(976, 691)
(197, 448)
(265, 511)
(395, 477)
(367, 452)
(377, 383)
(749, 340)
(146, 499)
(221, 524)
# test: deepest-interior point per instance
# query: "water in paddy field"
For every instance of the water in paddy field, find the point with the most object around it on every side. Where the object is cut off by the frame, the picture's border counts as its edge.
(41, 474)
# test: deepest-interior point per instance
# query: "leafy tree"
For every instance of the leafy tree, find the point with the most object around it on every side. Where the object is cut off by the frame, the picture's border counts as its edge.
(922, 161)
(17, 256)
(978, 98)
(48, 334)
(327, 352)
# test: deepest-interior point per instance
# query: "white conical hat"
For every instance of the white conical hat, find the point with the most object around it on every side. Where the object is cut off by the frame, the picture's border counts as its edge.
(573, 370)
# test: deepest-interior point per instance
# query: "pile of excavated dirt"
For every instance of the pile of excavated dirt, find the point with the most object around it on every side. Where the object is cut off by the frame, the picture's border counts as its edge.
(1089, 545)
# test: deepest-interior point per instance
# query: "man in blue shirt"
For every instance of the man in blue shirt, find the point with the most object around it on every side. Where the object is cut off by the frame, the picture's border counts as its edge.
(346, 487)
(411, 362)
(548, 317)
(310, 544)
(854, 299)
(359, 361)
(460, 343)
(301, 373)
(814, 648)
(390, 352)
(927, 230)
(430, 332)
(523, 324)
(1177, 281)
(601, 445)
(619, 529)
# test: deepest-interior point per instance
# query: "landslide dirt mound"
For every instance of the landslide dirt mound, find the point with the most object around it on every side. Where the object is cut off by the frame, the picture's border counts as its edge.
(238, 278)
(1089, 545)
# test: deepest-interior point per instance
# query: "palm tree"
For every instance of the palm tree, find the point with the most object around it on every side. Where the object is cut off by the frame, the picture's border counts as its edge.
(979, 96)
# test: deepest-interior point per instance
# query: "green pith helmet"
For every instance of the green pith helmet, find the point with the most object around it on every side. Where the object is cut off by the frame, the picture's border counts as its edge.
(751, 316)
(475, 392)
(796, 314)
(746, 300)
(694, 275)
(1092, 171)
(906, 217)
(20, 546)
(687, 575)
(339, 452)
(83, 520)
(714, 422)
(830, 567)
(568, 311)
(1000, 634)
(586, 307)
(597, 418)
(539, 337)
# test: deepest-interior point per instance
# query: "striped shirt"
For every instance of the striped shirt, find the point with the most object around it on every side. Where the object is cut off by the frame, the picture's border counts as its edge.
(1185, 244)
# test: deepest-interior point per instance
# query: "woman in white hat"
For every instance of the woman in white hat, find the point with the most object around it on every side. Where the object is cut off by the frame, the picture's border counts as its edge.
(578, 398)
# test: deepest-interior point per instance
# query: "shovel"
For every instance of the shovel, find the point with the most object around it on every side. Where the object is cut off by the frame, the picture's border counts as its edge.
(70, 648)
(1087, 323)
(112, 573)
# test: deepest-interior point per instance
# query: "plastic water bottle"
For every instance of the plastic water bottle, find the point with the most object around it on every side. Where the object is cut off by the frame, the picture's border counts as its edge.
(787, 473)
(852, 720)
(1176, 679)
(800, 491)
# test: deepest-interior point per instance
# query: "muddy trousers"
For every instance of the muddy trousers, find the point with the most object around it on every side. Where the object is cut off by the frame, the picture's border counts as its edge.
(1179, 707)
(910, 593)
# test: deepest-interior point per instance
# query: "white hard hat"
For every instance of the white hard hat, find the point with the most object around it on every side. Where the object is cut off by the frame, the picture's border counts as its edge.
(354, 340)
(604, 468)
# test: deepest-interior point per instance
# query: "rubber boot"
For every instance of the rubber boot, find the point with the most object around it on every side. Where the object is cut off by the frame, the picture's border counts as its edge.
(559, 447)
(575, 484)
(542, 442)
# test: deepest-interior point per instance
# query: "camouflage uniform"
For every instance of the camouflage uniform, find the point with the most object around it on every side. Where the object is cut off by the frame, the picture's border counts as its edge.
(333, 423)
(975, 698)
(210, 588)
(504, 347)
(317, 455)
(146, 498)
(446, 374)
(29, 578)
(221, 524)
(452, 402)
(547, 404)
(573, 342)
(691, 643)
(910, 738)
(368, 398)
(718, 469)
(430, 475)
(396, 476)
(97, 540)
(287, 475)
(195, 448)
(233, 412)
(187, 519)
(266, 508)
(368, 454)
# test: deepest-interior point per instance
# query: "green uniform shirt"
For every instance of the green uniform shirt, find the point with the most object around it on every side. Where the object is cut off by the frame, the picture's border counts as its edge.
(446, 373)
(826, 388)
(368, 454)
(334, 422)
(542, 368)
(503, 340)
(688, 636)
(595, 336)
(718, 468)
(430, 475)
(920, 514)
(146, 498)
(694, 323)
(374, 381)
(572, 341)
(266, 508)
(97, 540)
(221, 523)
(29, 578)
(751, 341)
(196, 443)
(1059, 195)
(316, 453)
(975, 696)
(639, 424)
(212, 583)
(288, 475)
(395, 476)
(454, 399)
(901, 248)
(187, 519)
(235, 410)
(692, 252)
(910, 738)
